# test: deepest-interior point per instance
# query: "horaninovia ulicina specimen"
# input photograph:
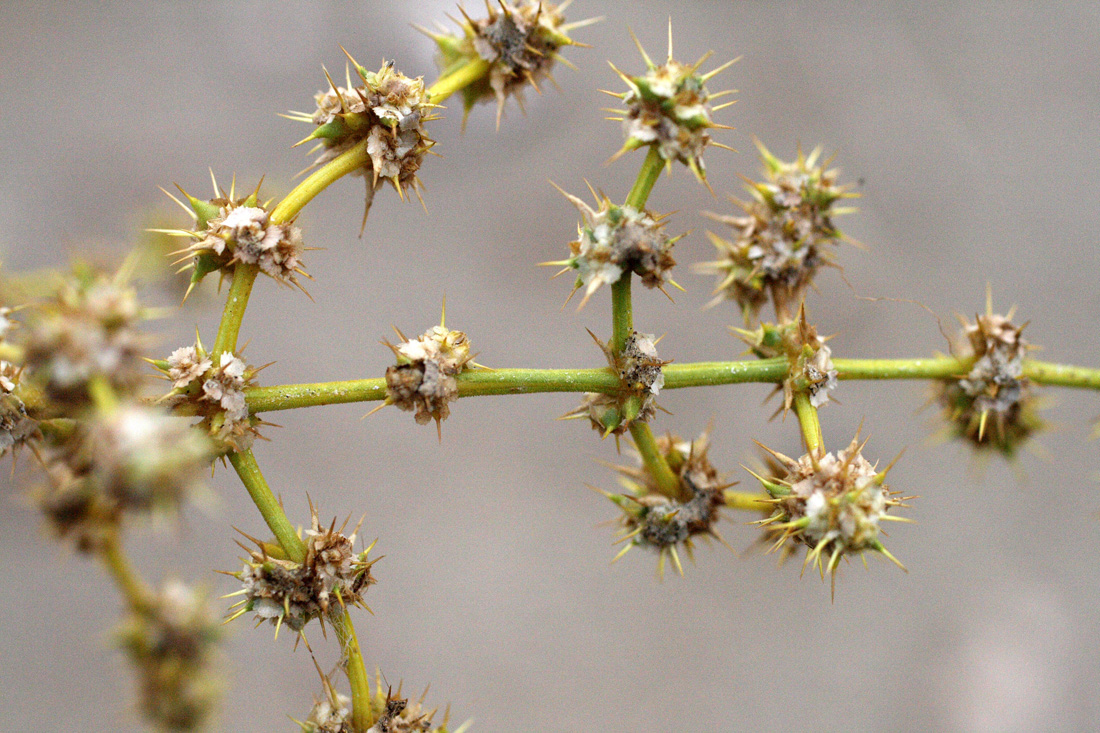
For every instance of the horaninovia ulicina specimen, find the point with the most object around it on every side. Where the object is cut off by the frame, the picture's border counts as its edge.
(518, 43)
(811, 360)
(833, 503)
(785, 235)
(663, 523)
(616, 240)
(669, 109)
(992, 406)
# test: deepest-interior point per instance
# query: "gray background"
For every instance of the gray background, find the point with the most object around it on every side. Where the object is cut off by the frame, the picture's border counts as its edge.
(974, 130)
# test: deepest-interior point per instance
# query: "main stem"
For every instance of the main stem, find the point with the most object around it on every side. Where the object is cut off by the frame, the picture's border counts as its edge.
(808, 422)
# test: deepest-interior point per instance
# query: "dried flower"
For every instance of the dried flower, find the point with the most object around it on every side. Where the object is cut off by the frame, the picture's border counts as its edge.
(784, 236)
(331, 576)
(171, 640)
(229, 230)
(423, 380)
(386, 113)
(639, 370)
(614, 240)
(519, 42)
(653, 519)
(832, 503)
(669, 109)
(16, 427)
(994, 387)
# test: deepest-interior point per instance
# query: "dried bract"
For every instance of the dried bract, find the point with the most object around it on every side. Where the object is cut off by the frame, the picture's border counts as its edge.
(389, 713)
(669, 109)
(614, 240)
(171, 641)
(518, 40)
(811, 369)
(662, 523)
(784, 237)
(993, 388)
(834, 503)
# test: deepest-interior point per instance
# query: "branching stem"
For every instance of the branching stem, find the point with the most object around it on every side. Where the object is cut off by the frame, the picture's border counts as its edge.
(808, 422)
(244, 276)
(137, 593)
(457, 80)
(270, 508)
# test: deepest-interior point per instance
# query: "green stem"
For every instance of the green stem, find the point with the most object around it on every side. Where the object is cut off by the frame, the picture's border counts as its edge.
(362, 714)
(462, 77)
(622, 313)
(351, 160)
(808, 422)
(1062, 375)
(102, 394)
(647, 178)
(938, 368)
(270, 508)
(138, 595)
(244, 276)
(655, 463)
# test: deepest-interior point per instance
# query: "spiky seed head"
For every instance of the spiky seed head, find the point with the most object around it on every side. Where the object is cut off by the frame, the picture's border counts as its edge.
(613, 240)
(216, 392)
(662, 523)
(669, 108)
(423, 380)
(171, 642)
(332, 576)
(16, 426)
(833, 503)
(785, 235)
(993, 407)
(386, 111)
(811, 360)
(639, 370)
(520, 40)
(230, 229)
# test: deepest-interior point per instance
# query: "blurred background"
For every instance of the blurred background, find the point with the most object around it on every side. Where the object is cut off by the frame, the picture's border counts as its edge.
(971, 131)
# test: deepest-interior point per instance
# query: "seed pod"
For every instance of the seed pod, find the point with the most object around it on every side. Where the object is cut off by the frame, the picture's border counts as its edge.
(784, 237)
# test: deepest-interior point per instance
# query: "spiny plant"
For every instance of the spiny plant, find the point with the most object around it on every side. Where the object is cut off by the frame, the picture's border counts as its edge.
(74, 354)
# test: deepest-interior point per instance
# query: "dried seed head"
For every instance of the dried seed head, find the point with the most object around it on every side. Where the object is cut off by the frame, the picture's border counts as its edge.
(215, 392)
(171, 641)
(386, 112)
(662, 523)
(519, 40)
(331, 576)
(614, 240)
(639, 370)
(669, 109)
(389, 713)
(783, 238)
(230, 229)
(832, 503)
(811, 360)
(86, 330)
(423, 380)
(994, 390)
(16, 427)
